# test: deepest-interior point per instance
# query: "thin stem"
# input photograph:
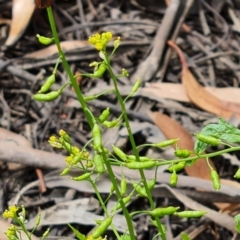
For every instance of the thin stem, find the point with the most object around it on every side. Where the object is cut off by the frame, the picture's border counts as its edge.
(103, 206)
(209, 155)
(135, 150)
(66, 65)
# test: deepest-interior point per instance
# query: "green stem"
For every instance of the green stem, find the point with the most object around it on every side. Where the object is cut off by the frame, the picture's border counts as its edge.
(135, 150)
(104, 207)
(209, 155)
(66, 65)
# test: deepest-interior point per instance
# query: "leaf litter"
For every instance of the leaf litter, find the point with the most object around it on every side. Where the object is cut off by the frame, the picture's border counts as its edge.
(218, 53)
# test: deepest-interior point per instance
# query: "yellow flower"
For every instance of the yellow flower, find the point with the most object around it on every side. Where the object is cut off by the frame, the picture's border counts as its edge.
(69, 159)
(11, 231)
(99, 46)
(11, 212)
(75, 150)
(62, 132)
(100, 41)
(54, 142)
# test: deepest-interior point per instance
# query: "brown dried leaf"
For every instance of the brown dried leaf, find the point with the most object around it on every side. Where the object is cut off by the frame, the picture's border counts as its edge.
(200, 96)
(177, 92)
(172, 129)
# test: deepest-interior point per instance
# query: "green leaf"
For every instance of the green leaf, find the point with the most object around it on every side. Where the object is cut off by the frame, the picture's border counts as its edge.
(77, 233)
(222, 130)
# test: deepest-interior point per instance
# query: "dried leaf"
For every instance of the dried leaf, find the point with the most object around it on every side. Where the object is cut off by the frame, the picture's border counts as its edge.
(200, 96)
(172, 129)
(21, 14)
(177, 92)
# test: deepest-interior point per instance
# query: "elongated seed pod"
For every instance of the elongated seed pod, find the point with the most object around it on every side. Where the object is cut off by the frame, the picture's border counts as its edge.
(208, 139)
(98, 162)
(237, 174)
(84, 176)
(182, 153)
(123, 186)
(119, 153)
(177, 167)
(160, 212)
(215, 180)
(190, 214)
(140, 190)
(140, 165)
(97, 137)
(118, 206)
(104, 116)
(173, 179)
(48, 83)
(47, 97)
(102, 227)
(166, 143)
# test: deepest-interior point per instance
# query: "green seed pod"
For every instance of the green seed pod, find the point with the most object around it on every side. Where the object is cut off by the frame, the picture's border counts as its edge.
(135, 87)
(184, 236)
(48, 83)
(140, 190)
(215, 180)
(111, 124)
(123, 186)
(118, 205)
(166, 143)
(208, 139)
(140, 165)
(98, 162)
(45, 234)
(182, 153)
(38, 219)
(190, 214)
(65, 171)
(97, 137)
(48, 96)
(173, 179)
(119, 153)
(237, 174)
(44, 40)
(104, 116)
(102, 227)
(177, 167)
(89, 98)
(89, 164)
(160, 212)
(100, 71)
(151, 184)
(85, 176)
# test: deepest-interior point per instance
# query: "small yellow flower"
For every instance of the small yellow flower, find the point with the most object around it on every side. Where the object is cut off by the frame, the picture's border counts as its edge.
(11, 231)
(99, 46)
(13, 208)
(62, 132)
(69, 159)
(54, 142)
(108, 35)
(6, 214)
(75, 150)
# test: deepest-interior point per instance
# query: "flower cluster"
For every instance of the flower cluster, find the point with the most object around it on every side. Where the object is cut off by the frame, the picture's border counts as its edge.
(11, 232)
(64, 142)
(11, 212)
(100, 40)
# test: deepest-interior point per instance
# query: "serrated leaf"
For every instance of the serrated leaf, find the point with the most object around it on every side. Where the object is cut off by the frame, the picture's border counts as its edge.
(79, 235)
